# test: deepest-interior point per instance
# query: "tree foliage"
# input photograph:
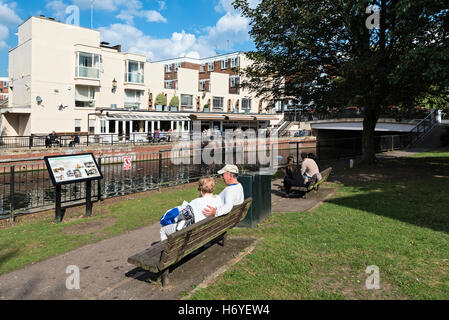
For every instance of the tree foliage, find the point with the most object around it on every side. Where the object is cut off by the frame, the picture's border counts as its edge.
(174, 102)
(161, 100)
(323, 52)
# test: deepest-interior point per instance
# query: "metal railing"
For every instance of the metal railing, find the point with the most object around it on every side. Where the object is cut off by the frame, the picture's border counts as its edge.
(134, 77)
(87, 72)
(25, 186)
(423, 127)
(113, 139)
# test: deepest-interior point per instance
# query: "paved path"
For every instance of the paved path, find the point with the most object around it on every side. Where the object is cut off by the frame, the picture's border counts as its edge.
(105, 273)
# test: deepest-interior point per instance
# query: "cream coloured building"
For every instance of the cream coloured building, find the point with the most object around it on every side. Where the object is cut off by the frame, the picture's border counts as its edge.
(62, 78)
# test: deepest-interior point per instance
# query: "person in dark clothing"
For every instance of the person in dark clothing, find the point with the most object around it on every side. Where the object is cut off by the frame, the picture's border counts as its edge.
(51, 139)
(75, 140)
(293, 176)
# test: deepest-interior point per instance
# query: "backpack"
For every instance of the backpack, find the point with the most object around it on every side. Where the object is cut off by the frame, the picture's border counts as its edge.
(186, 218)
(169, 217)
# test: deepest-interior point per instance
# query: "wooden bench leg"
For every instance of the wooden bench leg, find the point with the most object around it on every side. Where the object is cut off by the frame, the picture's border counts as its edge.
(164, 277)
(223, 239)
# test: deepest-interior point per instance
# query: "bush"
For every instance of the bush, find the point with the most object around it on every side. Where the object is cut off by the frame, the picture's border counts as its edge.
(161, 99)
(174, 102)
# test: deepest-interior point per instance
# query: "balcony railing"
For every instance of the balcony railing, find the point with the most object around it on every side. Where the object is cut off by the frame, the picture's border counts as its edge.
(134, 77)
(132, 105)
(87, 72)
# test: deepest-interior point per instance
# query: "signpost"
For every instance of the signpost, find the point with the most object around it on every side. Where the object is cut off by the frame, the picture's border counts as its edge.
(127, 163)
(69, 169)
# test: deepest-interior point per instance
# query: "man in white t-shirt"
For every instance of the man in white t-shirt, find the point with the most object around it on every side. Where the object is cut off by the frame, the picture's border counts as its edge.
(231, 196)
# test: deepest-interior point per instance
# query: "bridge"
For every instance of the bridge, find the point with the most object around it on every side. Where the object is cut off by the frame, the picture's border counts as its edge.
(356, 124)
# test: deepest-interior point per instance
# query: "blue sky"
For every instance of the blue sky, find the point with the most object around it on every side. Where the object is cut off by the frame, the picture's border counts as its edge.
(160, 29)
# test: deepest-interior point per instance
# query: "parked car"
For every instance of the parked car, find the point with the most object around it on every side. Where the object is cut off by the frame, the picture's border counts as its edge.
(301, 133)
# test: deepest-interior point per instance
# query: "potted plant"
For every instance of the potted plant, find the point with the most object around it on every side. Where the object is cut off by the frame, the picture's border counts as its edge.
(174, 103)
(161, 101)
(206, 108)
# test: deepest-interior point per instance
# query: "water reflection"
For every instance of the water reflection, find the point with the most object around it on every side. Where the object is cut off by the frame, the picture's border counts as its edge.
(35, 190)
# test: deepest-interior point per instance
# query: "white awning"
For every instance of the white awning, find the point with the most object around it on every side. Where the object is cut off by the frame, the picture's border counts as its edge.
(239, 117)
(211, 116)
(147, 117)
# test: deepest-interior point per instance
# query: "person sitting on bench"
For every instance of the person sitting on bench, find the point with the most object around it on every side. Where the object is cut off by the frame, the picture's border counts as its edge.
(190, 213)
(51, 139)
(309, 168)
(292, 179)
(231, 196)
(75, 140)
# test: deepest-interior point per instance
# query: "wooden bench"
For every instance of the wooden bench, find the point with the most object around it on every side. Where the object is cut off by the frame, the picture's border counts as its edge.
(161, 256)
(314, 185)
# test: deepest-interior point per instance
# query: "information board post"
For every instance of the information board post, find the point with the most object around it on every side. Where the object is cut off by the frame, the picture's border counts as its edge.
(89, 198)
(59, 214)
(69, 169)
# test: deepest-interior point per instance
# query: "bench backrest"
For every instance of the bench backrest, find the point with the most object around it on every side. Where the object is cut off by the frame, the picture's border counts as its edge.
(324, 175)
(185, 241)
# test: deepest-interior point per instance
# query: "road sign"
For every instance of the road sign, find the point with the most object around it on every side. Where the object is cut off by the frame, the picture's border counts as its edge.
(127, 163)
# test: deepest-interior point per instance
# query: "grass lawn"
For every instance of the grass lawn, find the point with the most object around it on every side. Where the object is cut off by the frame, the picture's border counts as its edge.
(399, 224)
(393, 215)
(38, 239)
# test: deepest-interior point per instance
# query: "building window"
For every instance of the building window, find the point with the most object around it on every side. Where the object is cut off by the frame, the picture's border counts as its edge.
(84, 97)
(224, 64)
(91, 126)
(177, 66)
(77, 125)
(203, 85)
(234, 62)
(217, 103)
(234, 81)
(186, 101)
(135, 71)
(168, 68)
(171, 84)
(112, 126)
(132, 99)
(89, 65)
(210, 66)
(246, 104)
(202, 68)
(103, 126)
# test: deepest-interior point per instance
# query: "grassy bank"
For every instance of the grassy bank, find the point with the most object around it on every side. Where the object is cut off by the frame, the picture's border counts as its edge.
(33, 240)
(398, 222)
(393, 215)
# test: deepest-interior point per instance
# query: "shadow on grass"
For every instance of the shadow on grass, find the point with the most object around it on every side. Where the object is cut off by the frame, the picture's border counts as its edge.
(412, 190)
(8, 255)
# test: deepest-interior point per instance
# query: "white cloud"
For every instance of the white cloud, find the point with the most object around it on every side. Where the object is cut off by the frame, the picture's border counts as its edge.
(154, 16)
(57, 8)
(180, 44)
(229, 30)
(4, 34)
(162, 5)
(226, 6)
(106, 5)
(8, 17)
(134, 8)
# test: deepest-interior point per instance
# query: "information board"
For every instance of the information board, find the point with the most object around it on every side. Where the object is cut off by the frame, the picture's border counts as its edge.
(73, 168)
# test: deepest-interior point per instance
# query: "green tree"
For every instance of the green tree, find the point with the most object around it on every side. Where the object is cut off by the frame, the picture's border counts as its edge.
(326, 52)
(161, 99)
(436, 100)
(174, 102)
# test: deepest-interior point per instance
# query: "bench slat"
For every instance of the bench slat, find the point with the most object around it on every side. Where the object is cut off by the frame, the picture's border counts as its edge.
(193, 243)
(179, 244)
(227, 221)
(324, 175)
(200, 228)
(149, 259)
